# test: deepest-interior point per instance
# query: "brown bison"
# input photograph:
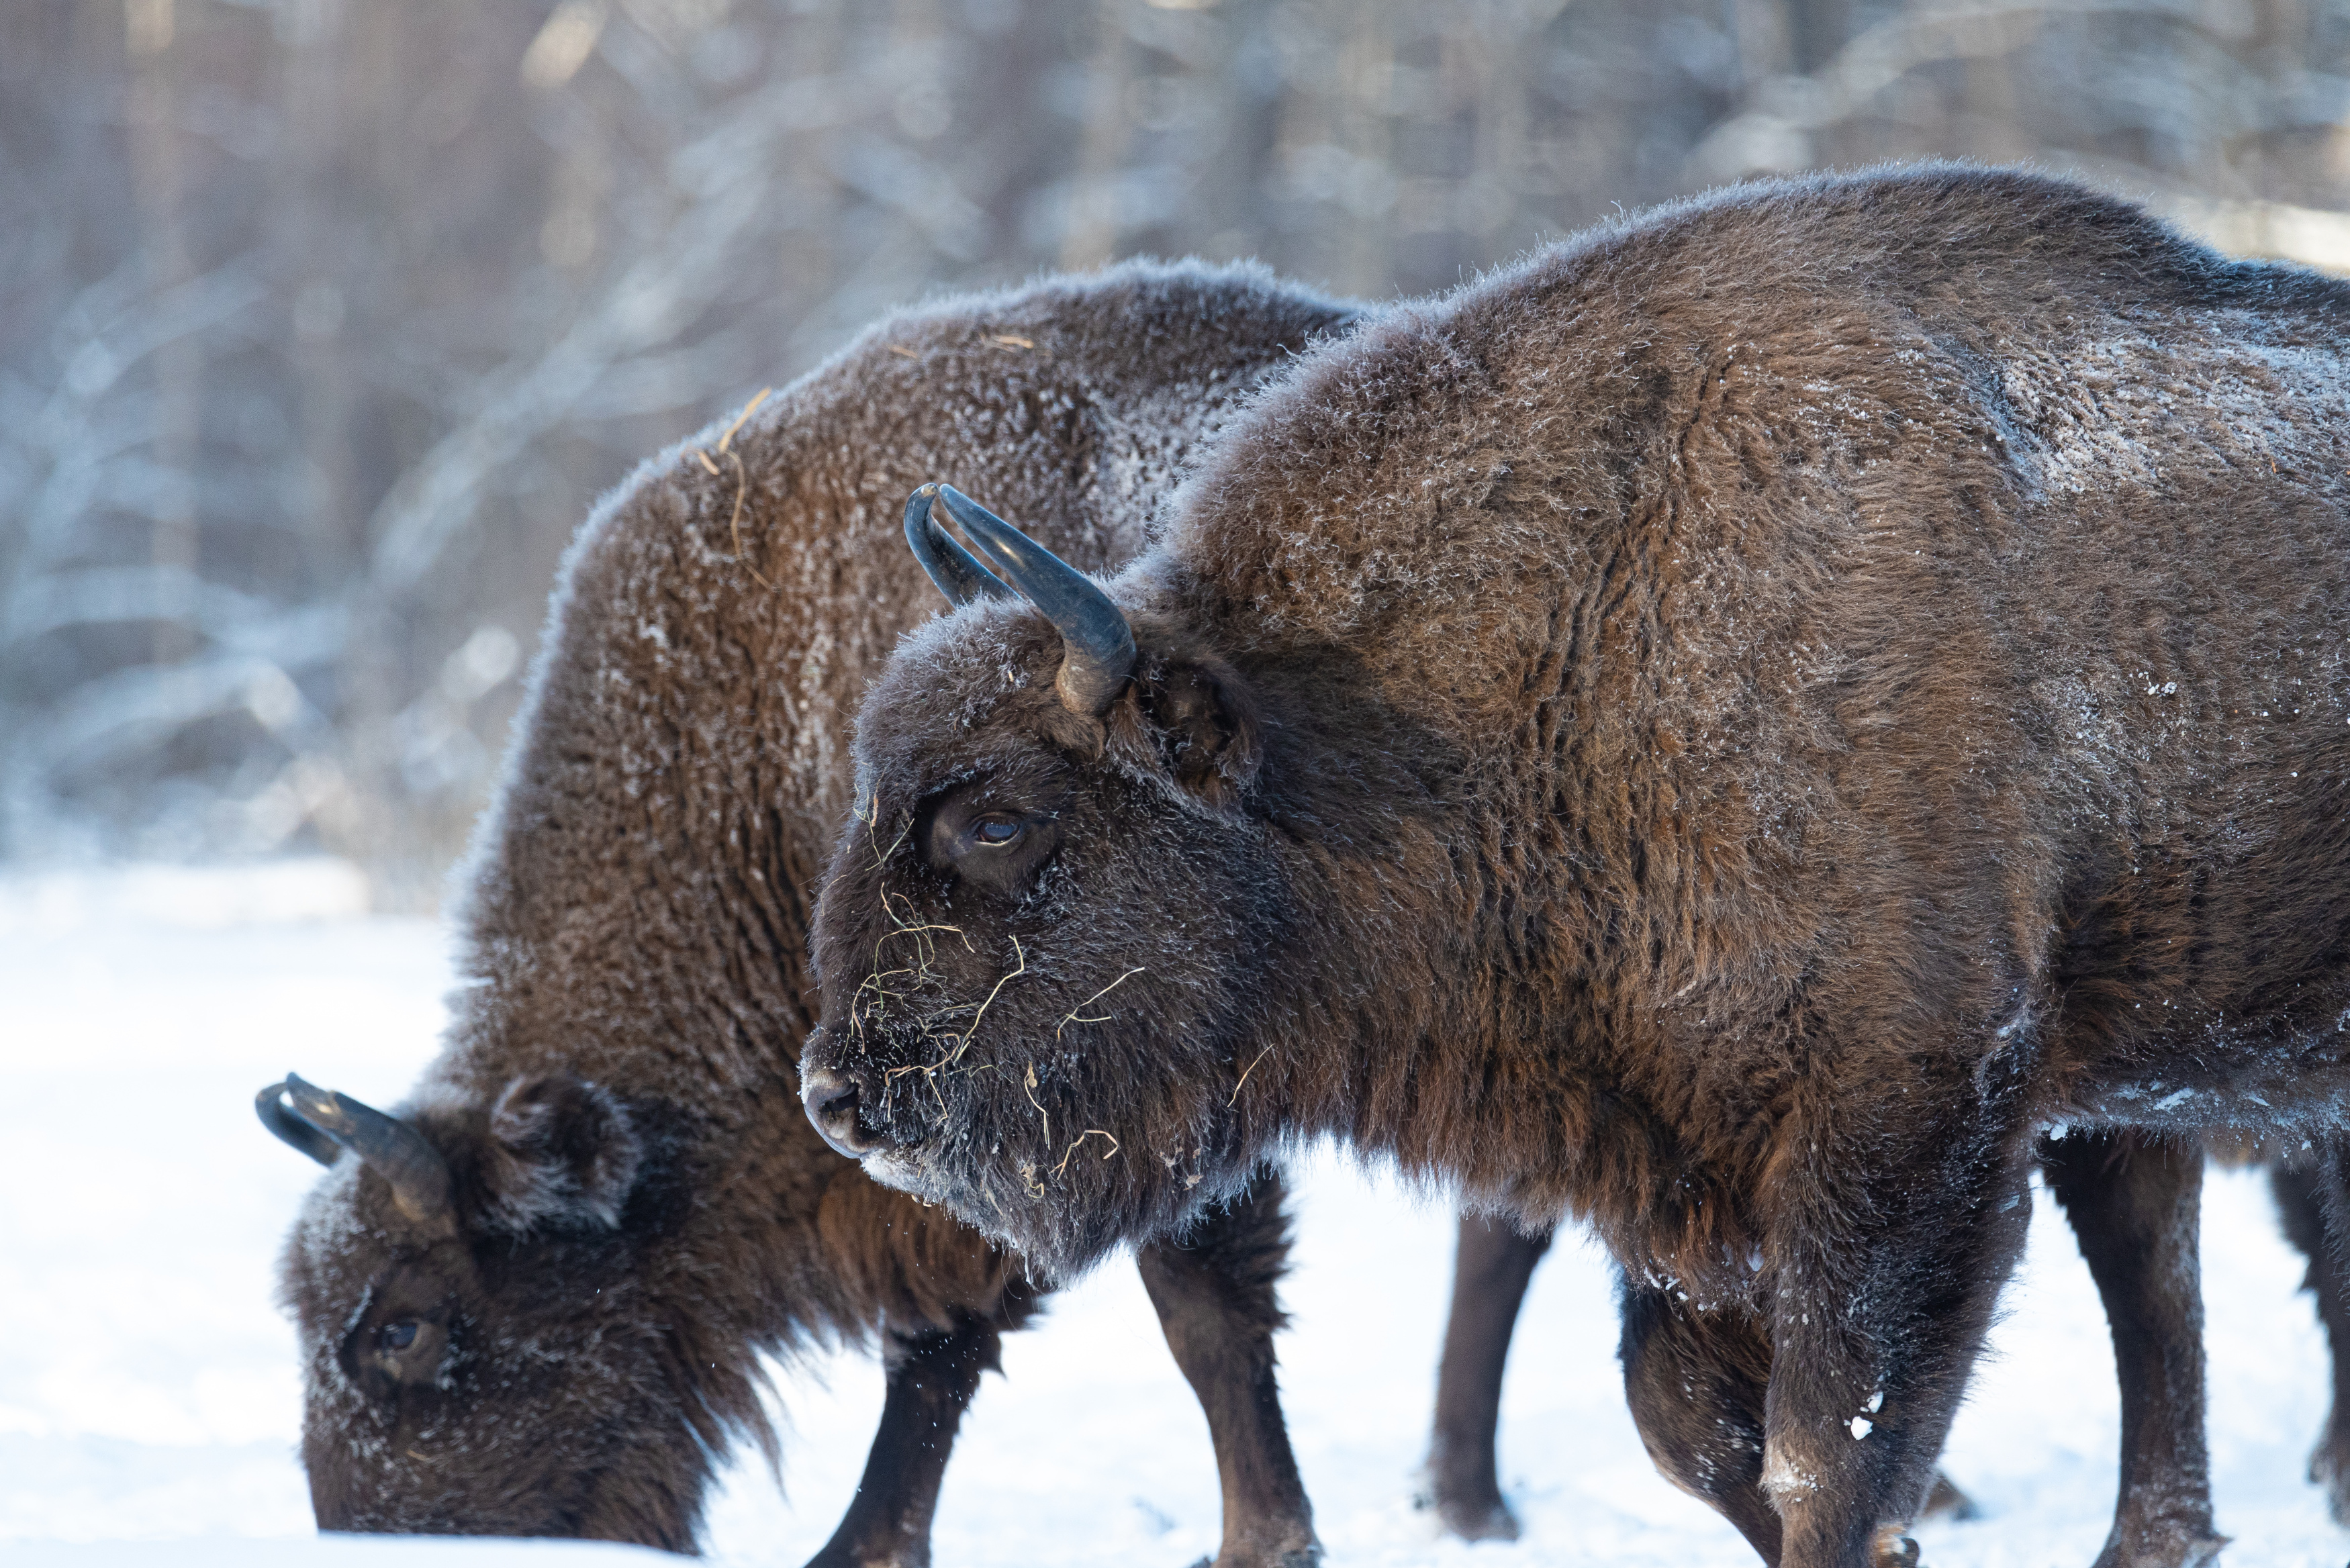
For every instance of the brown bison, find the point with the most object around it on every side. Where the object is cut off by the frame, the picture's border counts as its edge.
(534, 1302)
(1725, 729)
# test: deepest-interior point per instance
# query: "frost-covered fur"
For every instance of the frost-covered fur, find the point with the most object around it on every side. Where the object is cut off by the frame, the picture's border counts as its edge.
(643, 1208)
(1721, 730)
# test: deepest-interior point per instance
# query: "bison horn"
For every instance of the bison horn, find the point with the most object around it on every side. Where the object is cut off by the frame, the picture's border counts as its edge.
(1098, 646)
(957, 571)
(408, 1163)
(270, 1105)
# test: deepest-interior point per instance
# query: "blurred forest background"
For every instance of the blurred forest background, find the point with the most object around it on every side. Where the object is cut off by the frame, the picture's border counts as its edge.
(323, 323)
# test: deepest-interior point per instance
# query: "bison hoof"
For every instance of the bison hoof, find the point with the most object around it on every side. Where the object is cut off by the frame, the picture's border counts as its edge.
(1307, 1556)
(1471, 1509)
(1895, 1550)
(1475, 1521)
(2182, 1544)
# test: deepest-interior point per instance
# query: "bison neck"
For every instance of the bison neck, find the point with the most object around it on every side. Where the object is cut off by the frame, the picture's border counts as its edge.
(1507, 967)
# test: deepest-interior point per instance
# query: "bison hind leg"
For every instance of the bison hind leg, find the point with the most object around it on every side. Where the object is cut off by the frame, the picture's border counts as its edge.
(1493, 1265)
(2135, 1202)
(1945, 1500)
(2306, 1189)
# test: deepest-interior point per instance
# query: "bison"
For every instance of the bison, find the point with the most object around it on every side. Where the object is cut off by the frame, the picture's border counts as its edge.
(1725, 729)
(535, 1300)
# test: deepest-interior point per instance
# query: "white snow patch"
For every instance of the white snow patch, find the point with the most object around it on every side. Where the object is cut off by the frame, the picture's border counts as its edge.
(190, 897)
(337, 1552)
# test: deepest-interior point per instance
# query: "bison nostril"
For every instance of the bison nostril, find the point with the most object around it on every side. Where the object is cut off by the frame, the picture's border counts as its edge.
(831, 1102)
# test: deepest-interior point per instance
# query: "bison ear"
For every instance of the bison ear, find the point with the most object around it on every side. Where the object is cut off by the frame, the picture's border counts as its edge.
(1201, 724)
(561, 1152)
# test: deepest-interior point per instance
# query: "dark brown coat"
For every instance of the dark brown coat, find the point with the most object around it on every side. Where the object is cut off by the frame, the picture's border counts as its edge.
(637, 1208)
(1721, 730)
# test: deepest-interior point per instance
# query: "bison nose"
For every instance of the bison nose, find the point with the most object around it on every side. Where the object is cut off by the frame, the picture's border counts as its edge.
(831, 1102)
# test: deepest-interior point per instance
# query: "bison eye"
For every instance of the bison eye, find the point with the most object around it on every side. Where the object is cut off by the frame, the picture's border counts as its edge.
(990, 843)
(398, 1336)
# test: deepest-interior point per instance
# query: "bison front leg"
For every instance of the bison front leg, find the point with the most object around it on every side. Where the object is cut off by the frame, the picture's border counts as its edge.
(1491, 1267)
(2136, 1203)
(932, 1379)
(1889, 1248)
(1214, 1294)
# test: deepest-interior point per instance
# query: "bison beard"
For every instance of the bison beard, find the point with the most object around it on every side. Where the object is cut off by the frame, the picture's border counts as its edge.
(1721, 730)
(535, 1300)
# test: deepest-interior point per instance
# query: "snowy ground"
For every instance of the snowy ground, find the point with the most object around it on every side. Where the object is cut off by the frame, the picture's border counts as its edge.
(149, 1403)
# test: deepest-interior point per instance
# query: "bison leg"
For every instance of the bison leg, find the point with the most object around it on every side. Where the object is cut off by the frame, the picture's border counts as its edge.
(1490, 1268)
(1945, 1500)
(2134, 1202)
(1696, 1383)
(2303, 1202)
(1214, 1293)
(1888, 1254)
(932, 1379)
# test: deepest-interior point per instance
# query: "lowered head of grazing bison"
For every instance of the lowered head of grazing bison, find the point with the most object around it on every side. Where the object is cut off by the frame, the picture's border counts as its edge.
(471, 1290)
(533, 1298)
(1742, 716)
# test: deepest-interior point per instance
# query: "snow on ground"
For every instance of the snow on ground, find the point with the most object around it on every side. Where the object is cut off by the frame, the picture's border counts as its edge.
(149, 1402)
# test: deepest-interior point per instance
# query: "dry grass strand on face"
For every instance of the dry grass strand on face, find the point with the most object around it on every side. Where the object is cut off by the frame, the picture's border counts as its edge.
(1071, 1016)
(1070, 1152)
(1244, 1076)
(1029, 1084)
(963, 1043)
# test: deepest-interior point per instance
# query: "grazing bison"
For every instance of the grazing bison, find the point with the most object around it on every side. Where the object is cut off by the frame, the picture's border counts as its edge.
(534, 1301)
(1725, 729)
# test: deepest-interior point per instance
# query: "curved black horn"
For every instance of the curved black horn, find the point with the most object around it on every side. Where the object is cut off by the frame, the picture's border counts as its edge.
(408, 1163)
(957, 571)
(270, 1106)
(1099, 646)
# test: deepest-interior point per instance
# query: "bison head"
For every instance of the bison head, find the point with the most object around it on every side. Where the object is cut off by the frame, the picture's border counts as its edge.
(476, 1343)
(1040, 940)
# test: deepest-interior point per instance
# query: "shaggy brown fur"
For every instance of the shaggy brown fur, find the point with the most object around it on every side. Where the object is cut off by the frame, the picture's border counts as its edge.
(643, 1210)
(1721, 730)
